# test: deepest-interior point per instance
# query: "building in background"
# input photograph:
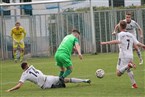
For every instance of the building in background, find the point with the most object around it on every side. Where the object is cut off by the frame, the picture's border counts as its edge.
(45, 27)
(55, 7)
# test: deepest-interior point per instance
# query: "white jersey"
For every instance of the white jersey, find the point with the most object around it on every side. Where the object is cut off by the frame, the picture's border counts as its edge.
(33, 75)
(126, 46)
(132, 26)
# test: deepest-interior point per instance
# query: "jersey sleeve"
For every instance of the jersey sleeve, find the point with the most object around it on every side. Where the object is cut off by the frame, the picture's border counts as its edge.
(23, 78)
(118, 37)
(76, 41)
(135, 41)
(136, 25)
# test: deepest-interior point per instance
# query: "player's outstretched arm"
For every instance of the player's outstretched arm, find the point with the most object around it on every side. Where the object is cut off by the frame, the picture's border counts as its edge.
(110, 42)
(15, 87)
(77, 46)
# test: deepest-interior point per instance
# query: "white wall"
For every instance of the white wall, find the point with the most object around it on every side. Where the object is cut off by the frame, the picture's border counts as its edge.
(86, 3)
(132, 2)
(41, 8)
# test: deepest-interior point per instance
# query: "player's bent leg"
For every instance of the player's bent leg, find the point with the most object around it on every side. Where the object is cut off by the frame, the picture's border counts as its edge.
(126, 67)
(21, 54)
(22, 46)
(118, 73)
(15, 46)
(77, 80)
(131, 76)
(139, 54)
(62, 69)
(67, 72)
(15, 54)
(131, 65)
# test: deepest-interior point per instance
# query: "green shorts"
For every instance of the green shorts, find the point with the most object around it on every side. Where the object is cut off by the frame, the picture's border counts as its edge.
(63, 60)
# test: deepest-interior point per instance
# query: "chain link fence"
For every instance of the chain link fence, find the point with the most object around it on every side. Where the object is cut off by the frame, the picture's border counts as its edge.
(45, 32)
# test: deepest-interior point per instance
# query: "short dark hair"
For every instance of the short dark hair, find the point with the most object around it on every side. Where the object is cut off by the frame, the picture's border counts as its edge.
(123, 24)
(76, 31)
(128, 13)
(17, 23)
(24, 65)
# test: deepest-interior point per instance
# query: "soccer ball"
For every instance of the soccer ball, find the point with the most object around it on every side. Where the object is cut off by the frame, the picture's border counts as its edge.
(100, 73)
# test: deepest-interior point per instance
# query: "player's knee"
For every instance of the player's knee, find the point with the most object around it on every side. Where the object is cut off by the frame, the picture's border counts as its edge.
(21, 49)
(14, 50)
(118, 73)
(69, 70)
(62, 69)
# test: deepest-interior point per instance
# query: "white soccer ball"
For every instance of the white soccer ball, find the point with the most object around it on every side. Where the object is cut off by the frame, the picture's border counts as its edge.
(100, 73)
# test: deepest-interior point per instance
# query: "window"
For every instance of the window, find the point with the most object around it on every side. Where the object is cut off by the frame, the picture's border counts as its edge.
(26, 9)
(5, 12)
(117, 3)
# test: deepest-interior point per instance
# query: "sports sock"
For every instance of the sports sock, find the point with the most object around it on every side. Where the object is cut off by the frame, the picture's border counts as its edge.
(76, 80)
(122, 70)
(66, 73)
(61, 73)
(139, 54)
(21, 55)
(131, 75)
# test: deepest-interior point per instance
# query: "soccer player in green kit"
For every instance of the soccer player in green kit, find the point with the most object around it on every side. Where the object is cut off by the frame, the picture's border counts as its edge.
(64, 51)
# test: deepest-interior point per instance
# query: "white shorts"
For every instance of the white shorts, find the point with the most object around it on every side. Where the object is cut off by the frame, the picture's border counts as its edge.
(123, 62)
(50, 80)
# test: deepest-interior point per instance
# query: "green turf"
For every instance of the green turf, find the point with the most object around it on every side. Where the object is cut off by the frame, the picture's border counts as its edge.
(109, 86)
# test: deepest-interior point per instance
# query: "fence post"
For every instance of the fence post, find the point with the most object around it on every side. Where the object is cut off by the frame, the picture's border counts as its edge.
(94, 51)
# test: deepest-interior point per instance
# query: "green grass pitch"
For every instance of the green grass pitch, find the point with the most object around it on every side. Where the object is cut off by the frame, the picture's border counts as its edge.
(109, 86)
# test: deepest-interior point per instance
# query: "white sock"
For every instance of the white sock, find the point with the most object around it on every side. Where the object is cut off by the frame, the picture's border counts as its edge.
(131, 75)
(123, 69)
(77, 80)
(139, 54)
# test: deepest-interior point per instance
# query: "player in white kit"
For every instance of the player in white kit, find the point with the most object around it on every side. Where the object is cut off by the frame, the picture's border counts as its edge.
(44, 81)
(125, 42)
(131, 27)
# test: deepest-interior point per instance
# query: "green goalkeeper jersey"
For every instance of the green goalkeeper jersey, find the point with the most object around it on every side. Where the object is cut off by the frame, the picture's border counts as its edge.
(67, 44)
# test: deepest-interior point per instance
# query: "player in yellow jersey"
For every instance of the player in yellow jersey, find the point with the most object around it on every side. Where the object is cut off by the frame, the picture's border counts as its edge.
(18, 34)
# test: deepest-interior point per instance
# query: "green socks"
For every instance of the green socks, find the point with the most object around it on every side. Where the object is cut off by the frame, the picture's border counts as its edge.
(66, 73)
(61, 73)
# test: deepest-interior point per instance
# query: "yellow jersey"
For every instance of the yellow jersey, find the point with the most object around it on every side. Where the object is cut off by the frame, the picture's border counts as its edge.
(18, 34)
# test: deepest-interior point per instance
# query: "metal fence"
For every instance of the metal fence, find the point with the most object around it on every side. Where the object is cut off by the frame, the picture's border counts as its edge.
(45, 32)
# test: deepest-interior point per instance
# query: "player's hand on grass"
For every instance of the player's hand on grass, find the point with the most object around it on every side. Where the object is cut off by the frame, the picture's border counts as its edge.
(8, 90)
